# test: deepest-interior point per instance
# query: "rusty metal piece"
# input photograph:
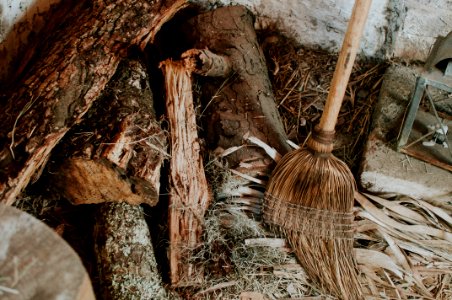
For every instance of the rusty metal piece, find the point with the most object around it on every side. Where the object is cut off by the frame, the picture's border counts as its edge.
(440, 56)
(437, 73)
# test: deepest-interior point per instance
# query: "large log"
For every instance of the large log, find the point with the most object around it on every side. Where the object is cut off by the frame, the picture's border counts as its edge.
(188, 194)
(125, 255)
(57, 91)
(237, 93)
(117, 152)
(238, 103)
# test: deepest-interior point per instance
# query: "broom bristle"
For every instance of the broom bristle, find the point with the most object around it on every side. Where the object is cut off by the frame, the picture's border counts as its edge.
(310, 199)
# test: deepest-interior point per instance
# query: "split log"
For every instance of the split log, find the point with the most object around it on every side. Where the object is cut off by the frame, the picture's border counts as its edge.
(241, 100)
(117, 152)
(58, 90)
(189, 195)
(36, 263)
(125, 255)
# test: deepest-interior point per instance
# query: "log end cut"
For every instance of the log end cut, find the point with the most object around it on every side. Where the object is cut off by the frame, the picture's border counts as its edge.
(84, 181)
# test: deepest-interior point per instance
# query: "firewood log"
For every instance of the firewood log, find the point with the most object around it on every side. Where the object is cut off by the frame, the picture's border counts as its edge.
(57, 91)
(189, 194)
(125, 256)
(117, 152)
(36, 263)
(237, 94)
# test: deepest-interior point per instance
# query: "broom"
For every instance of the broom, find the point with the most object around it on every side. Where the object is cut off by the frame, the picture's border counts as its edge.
(309, 197)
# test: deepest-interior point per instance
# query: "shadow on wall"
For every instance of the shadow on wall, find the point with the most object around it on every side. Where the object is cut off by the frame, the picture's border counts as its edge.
(21, 24)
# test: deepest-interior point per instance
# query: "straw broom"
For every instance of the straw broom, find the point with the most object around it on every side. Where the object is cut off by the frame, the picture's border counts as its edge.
(310, 195)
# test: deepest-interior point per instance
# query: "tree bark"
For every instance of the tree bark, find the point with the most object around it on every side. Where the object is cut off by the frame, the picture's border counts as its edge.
(241, 100)
(125, 255)
(117, 153)
(58, 90)
(188, 195)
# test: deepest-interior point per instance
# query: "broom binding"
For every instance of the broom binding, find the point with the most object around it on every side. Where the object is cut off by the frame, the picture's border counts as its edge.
(307, 220)
(321, 141)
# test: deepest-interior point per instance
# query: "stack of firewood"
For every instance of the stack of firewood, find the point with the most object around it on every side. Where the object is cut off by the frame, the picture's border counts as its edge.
(85, 105)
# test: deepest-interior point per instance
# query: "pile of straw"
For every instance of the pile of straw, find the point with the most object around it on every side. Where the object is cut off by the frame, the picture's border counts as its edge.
(403, 247)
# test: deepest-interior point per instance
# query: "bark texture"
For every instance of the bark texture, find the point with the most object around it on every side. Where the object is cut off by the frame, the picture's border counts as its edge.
(125, 255)
(56, 92)
(189, 195)
(117, 153)
(241, 101)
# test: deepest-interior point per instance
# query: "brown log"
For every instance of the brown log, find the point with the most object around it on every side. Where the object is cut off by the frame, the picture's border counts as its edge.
(239, 105)
(58, 90)
(125, 255)
(189, 195)
(36, 263)
(241, 101)
(117, 153)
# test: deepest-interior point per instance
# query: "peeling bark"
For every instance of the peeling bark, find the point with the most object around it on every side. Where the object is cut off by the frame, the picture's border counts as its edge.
(58, 90)
(189, 195)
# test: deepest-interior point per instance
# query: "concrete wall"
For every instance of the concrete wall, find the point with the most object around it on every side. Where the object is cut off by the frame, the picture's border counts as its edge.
(321, 23)
(396, 28)
(421, 22)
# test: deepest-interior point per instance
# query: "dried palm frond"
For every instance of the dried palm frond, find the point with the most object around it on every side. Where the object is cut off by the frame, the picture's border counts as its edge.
(404, 247)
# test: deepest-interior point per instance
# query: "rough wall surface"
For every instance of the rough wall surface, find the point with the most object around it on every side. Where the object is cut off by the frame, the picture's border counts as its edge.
(321, 23)
(395, 28)
(422, 22)
(20, 20)
(400, 28)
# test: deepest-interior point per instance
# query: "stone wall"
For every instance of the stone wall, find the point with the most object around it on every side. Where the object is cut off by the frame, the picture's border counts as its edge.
(395, 28)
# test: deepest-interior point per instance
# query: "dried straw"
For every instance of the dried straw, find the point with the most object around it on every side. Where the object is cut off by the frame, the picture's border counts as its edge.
(319, 229)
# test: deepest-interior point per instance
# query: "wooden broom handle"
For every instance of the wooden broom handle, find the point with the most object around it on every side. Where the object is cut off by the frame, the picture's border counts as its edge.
(344, 65)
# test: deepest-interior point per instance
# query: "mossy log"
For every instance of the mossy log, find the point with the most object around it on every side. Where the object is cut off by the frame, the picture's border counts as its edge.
(125, 256)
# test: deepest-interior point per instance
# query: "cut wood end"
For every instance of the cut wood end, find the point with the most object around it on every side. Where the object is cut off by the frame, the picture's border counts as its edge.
(205, 62)
(46, 263)
(85, 181)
